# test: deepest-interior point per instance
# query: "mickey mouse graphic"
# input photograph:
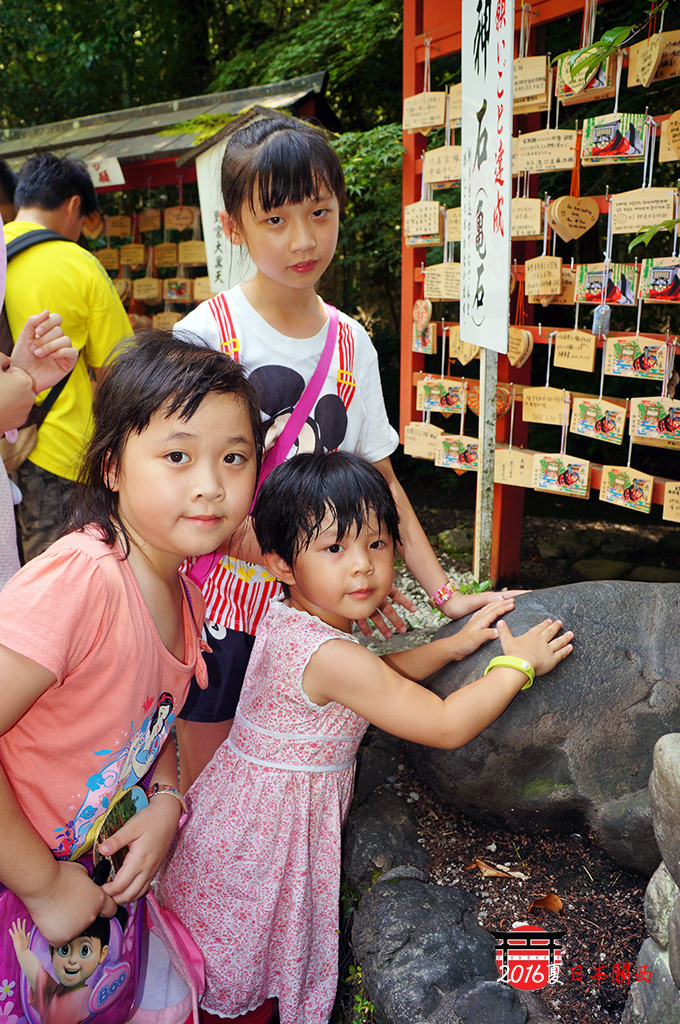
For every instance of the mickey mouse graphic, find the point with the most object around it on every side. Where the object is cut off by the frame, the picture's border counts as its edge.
(279, 389)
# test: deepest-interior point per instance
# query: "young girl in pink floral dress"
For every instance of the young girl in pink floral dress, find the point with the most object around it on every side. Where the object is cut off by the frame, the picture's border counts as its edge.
(255, 874)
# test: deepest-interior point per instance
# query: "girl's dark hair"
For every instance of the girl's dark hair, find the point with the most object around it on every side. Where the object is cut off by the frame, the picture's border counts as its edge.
(277, 160)
(153, 371)
(297, 496)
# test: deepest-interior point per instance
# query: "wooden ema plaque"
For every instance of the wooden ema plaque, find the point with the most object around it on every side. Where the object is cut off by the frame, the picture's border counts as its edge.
(657, 419)
(165, 254)
(442, 166)
(544, 405)
(636, 210)
(180, 218)
(423, 112)
(147, 289)
(626, 487)
(119, 226)
(514, 467)
(543, 275)
(149, 220)
(660, 279)
(599, 419)
(634, 356)
(191, 254)
(457, 451)
(166, 321)
(671, 502)
(423, 223)
(561, 474)
(178, 289)
(132, 255)
(109, 258)
(575, 350)
(420, 440)
(439, 394)
(668, 65)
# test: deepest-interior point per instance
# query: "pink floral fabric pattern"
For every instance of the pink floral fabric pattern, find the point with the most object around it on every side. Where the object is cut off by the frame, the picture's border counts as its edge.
(255, 873)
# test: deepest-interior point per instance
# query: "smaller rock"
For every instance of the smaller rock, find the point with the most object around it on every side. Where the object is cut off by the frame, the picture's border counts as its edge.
(456, 542)
(601, 569)
(664, 790)
(625, 829)
(425, 958)
(674, 943)
(380, 834)
(548, 550)
(375, 767)
(654, 574)
(656, 1001)
(659, 899)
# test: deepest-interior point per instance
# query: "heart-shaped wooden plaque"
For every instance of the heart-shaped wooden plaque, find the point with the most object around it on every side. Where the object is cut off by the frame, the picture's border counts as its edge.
(502, 399)
(520, 346)
(578, 80)
(572, 217)
(649, 58)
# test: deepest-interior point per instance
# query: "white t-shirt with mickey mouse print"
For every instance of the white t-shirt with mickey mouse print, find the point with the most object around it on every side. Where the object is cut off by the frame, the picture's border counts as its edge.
(280, 368)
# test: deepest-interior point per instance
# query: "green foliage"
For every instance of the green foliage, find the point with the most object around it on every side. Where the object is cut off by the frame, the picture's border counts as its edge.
(369, 249)
(645, 237)
(363, 1008)
(359, 42)
(204, 126)
(589, 58)
(59, 61)
(475, 587)
(349, 899)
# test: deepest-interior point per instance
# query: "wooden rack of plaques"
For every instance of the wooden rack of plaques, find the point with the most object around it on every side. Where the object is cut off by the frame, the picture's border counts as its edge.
(432, 21)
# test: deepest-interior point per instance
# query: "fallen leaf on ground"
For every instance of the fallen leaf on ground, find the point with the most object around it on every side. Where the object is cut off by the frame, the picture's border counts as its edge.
(549, 902)
(496, 871)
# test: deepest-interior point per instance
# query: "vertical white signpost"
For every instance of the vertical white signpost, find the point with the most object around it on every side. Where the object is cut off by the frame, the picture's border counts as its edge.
(486, 189)
(228, 264)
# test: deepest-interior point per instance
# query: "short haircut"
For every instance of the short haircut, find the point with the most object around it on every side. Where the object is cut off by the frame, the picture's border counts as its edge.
(47, 181)
(154, 371)
(8, 182)
(277, 160)
(296, 497)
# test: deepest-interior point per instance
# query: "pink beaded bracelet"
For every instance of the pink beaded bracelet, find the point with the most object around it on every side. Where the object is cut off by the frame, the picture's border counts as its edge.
(443, 594)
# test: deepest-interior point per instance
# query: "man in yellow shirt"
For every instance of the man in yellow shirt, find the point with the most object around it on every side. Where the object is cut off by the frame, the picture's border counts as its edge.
(57, 193)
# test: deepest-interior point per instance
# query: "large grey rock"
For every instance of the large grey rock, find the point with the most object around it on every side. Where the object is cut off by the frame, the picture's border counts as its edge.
(425, 958)
(575, 750)
(657, 1000)
(664, 789)
(380, 834)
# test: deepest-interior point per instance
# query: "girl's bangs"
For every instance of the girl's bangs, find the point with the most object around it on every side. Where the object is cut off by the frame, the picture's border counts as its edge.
(292, 169)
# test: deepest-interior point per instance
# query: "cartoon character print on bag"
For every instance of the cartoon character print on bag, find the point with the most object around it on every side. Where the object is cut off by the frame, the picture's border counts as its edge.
(279, 389)
(123, 768)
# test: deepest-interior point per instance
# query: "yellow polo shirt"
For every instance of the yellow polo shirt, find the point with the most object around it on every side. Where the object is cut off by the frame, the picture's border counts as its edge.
(67, 279)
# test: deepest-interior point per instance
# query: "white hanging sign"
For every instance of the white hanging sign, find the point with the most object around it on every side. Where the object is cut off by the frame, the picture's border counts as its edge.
(105, 172)
(486, 184)
(228, 264)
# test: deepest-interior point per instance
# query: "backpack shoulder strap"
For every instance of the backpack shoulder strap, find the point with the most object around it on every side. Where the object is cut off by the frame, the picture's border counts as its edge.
(12, 249)
(31, 238)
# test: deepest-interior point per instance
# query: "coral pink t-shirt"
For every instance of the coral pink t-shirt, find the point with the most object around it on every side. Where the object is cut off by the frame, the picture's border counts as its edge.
(77, 610)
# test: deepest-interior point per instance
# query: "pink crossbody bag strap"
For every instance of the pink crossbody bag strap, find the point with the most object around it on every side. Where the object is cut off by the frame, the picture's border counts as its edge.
(277, 454)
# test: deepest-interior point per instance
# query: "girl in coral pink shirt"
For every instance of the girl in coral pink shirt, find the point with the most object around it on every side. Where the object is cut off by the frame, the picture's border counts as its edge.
(99, 636)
